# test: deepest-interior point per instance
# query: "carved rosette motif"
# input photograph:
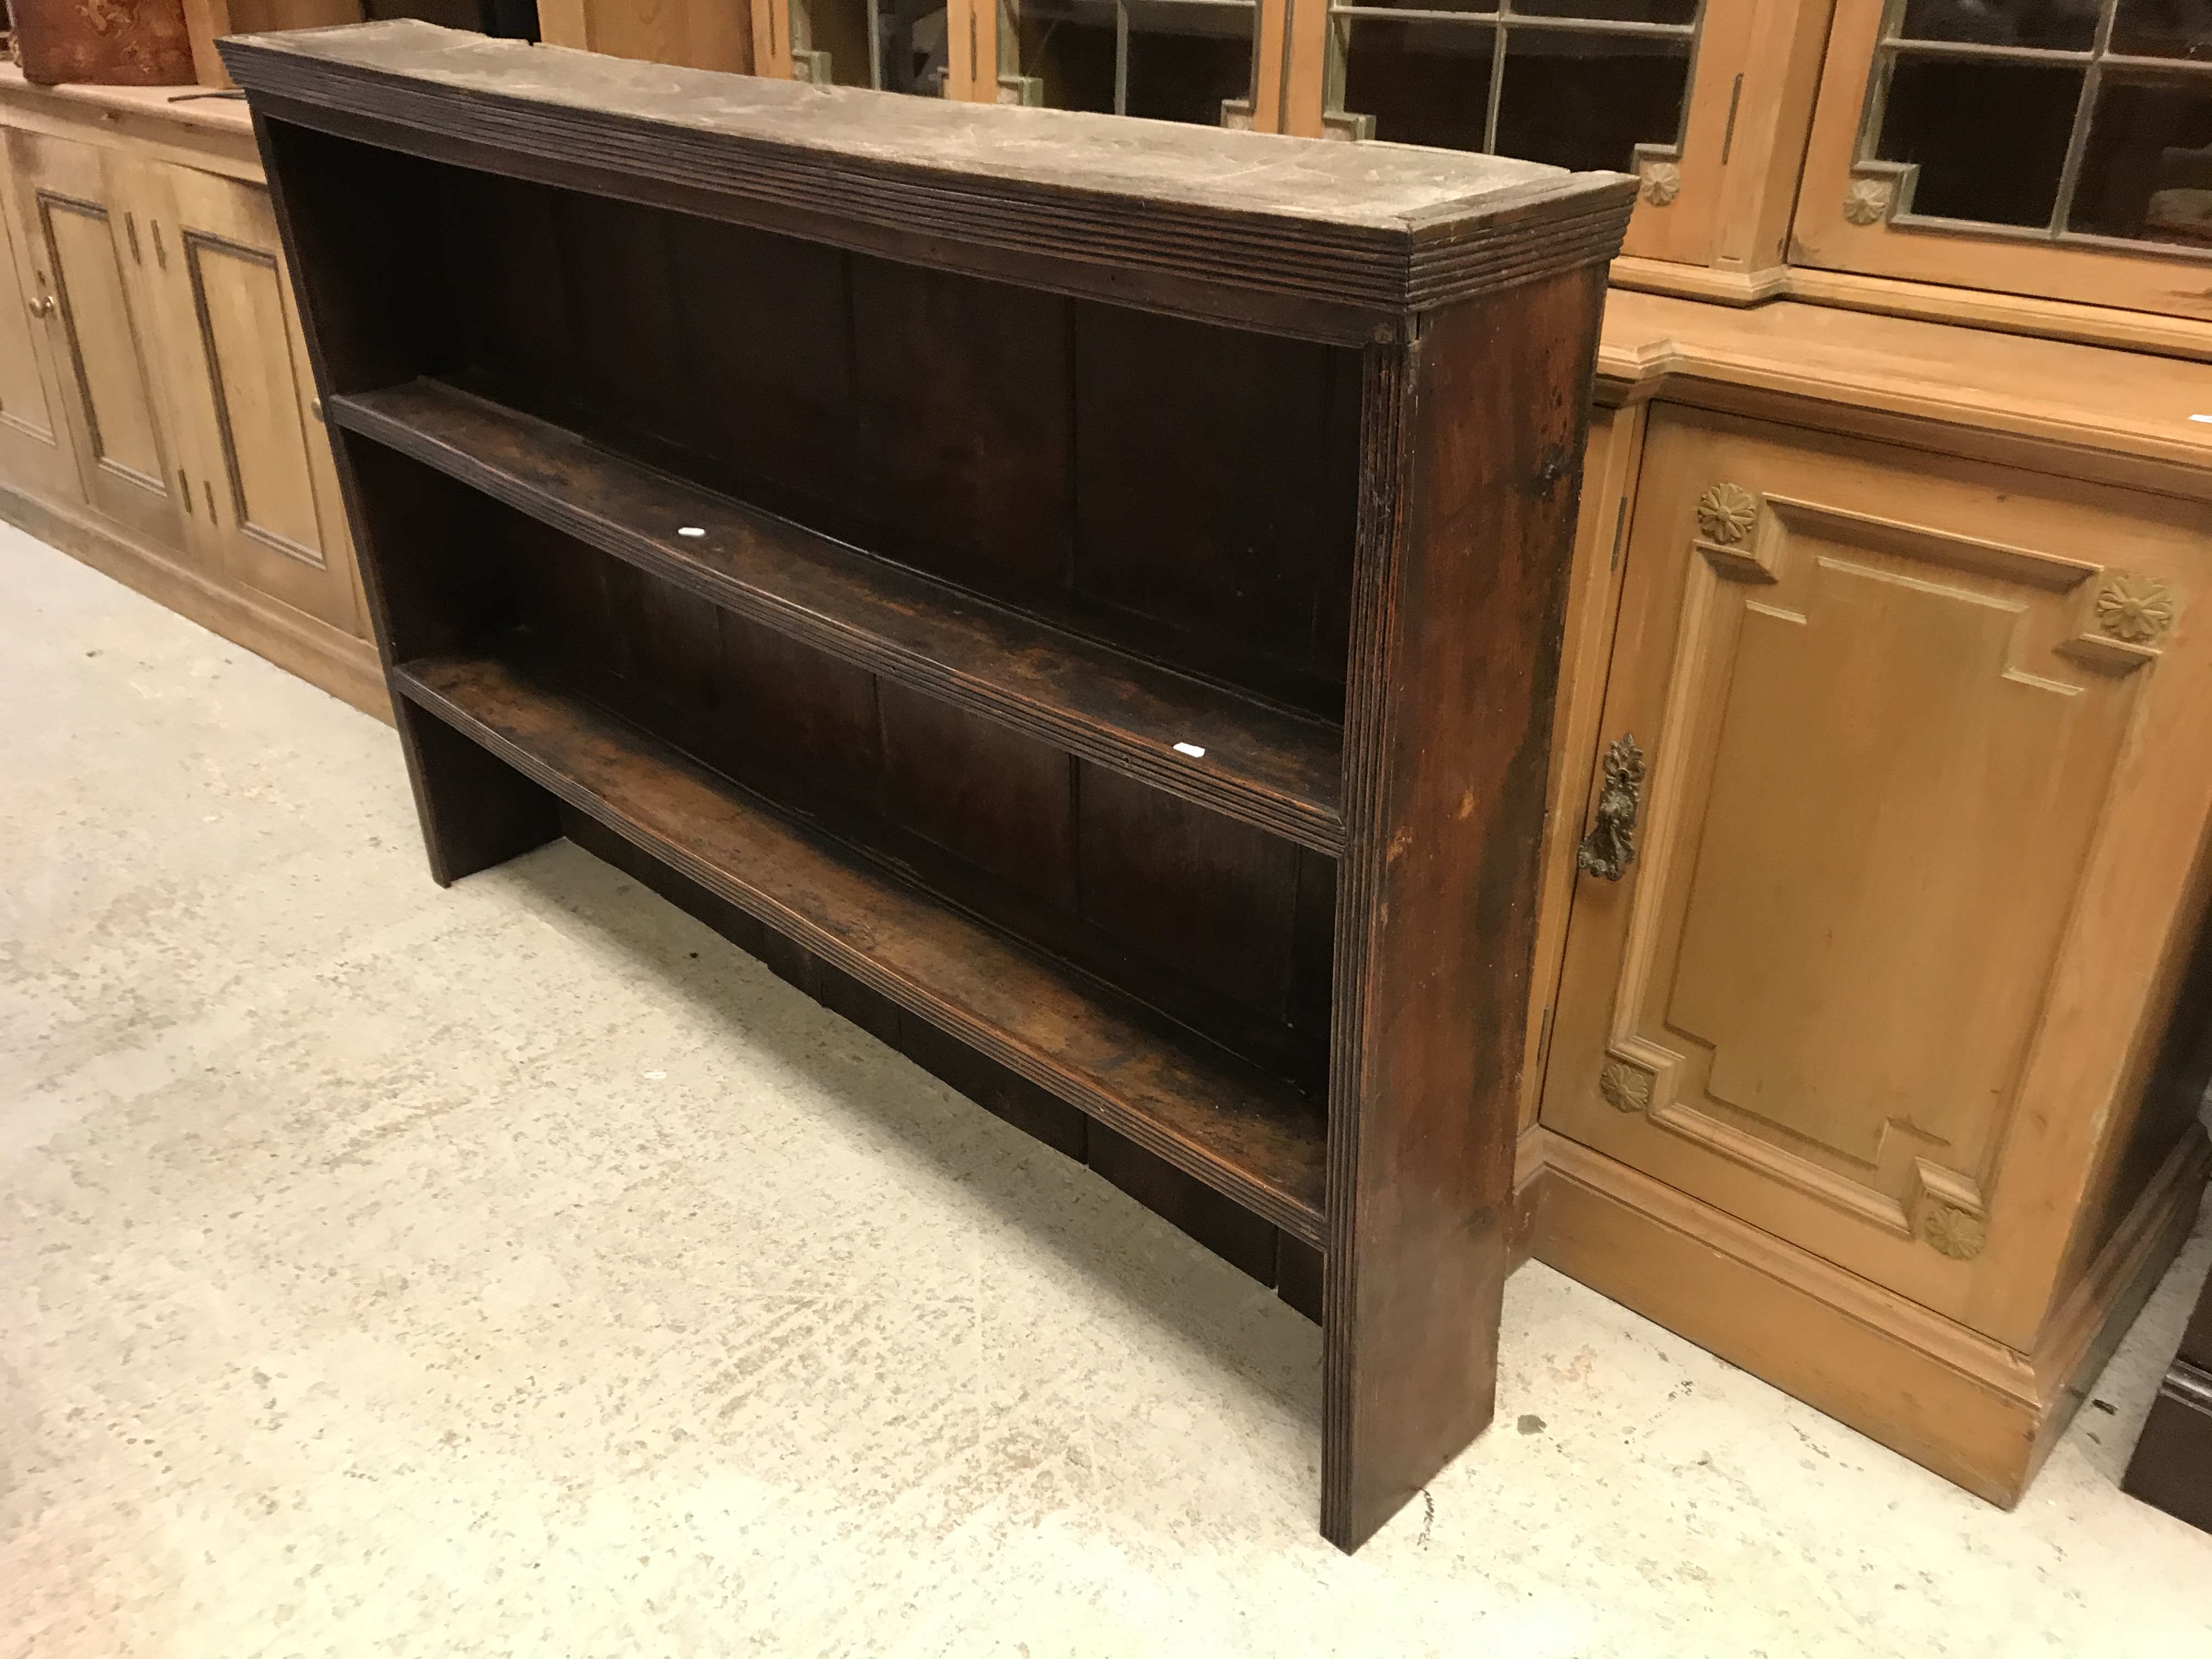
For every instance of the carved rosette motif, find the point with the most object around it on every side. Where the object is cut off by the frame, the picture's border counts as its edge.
(1662, 182)
(1953, 1232)
(2136, 609)
(1627, 1088)
(1867, 202)
(1726, 514)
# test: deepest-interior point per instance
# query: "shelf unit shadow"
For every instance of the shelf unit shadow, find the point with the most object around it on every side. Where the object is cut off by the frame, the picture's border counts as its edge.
(1084, 598)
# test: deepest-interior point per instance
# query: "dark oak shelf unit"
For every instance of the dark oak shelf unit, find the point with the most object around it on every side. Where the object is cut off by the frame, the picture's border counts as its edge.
(1261, 764)
(1081, 597)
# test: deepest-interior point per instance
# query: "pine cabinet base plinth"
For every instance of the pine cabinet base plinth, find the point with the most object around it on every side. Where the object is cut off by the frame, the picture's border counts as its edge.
(1973, 1411)
(339, 663)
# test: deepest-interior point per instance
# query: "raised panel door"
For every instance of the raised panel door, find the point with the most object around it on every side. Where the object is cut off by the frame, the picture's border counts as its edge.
(1889, 719)
(267, 511)
(86, 241)
(34, 451)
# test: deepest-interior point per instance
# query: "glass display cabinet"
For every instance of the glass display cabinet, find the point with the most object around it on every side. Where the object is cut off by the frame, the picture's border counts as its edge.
(893, 46)
(1164, 60)
(1694, 96)
(2049, 149)
(1706, 100)
(1580, 84)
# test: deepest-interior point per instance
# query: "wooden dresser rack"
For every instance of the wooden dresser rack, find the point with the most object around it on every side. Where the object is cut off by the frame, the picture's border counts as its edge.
(1096, 586)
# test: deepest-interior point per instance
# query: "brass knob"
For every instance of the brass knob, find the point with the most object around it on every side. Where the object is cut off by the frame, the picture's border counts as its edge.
(43, 306)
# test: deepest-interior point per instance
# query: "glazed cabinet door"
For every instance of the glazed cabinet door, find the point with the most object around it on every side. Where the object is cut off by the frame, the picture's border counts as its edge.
(266, 510)
(2031, 150)
(1902, 768)
(85, 244)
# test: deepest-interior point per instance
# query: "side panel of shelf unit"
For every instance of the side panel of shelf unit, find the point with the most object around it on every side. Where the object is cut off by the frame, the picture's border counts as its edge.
(1476, 429)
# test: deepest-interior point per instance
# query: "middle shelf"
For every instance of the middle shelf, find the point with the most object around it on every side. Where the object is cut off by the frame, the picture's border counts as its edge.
(1189, 737)
(1250, 1137)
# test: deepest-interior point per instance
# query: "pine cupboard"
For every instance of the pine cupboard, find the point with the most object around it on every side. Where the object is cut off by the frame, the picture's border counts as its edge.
(1878, 1036)
(157, 413)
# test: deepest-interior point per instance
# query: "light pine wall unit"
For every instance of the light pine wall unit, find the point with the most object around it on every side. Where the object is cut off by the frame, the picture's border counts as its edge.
(209, 20)
(157, 415)
(668, 31)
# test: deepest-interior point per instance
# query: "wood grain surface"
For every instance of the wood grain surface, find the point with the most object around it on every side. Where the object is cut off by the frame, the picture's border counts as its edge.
(1178, 217)
(1226, 1124)
(1260, 764)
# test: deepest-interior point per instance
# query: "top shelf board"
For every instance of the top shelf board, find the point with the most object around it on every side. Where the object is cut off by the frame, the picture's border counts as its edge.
(1176, 217)
(1202, 742)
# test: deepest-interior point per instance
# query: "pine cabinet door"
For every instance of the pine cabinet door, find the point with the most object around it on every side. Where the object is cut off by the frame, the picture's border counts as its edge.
(34, 447)
(2051, 151)
(85, 245)
(1903, 773)
(266, 511)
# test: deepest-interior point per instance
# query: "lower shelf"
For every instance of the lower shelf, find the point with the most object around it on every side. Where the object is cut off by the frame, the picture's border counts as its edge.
(1247, 1136)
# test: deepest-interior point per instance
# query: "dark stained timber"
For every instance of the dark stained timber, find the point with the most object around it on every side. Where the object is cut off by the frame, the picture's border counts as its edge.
(1021, 448)
(1245, 1136)
(1260, 764)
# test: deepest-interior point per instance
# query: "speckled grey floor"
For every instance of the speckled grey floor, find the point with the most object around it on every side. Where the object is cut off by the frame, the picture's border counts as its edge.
(519, 1270)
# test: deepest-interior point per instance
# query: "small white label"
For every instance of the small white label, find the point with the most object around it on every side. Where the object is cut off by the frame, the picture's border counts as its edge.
(1191, 749)
(689, 530)
(2204, 420)
(654, 1077)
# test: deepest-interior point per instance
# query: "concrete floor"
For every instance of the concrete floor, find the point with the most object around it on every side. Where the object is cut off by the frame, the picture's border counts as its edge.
(520, 1270)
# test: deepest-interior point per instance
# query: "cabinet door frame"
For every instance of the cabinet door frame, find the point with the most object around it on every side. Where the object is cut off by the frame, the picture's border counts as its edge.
(1848, 219)
(45, 459)
(194, 216)
(1989, 1255)
(49, 174)
(1611, 461)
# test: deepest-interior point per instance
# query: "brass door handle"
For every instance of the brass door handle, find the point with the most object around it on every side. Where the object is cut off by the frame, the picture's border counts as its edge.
(43, 306)
(1610, 848)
